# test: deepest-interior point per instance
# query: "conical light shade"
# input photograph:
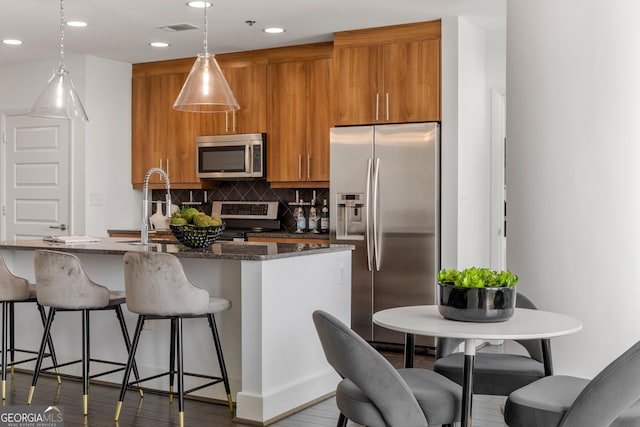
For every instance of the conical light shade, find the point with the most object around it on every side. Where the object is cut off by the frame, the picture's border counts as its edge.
(59, 98)
(206, 90)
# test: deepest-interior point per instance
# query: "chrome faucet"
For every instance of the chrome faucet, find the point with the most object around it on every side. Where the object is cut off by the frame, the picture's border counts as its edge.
(144, 230)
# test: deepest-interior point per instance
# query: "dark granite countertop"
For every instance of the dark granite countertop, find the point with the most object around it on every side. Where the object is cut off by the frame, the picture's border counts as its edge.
(243, 251)
(290, 235)
(275, 234)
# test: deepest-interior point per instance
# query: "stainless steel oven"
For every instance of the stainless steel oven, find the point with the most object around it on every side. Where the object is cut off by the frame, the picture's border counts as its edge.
(241, 217)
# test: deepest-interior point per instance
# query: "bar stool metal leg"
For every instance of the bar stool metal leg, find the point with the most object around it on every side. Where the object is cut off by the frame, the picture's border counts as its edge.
(127, 343)
(130, 362)
(52, 352)
(5, 326)
(223, 367)
(85, 361)
(12, 341)
(172, 357)
(45, 335)
(180, 372)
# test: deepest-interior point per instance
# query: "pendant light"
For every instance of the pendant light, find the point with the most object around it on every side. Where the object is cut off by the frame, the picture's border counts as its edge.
(206, 90)
(59, 98)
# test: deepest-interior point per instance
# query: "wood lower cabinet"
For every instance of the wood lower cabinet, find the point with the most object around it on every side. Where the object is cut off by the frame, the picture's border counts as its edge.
(299, 112)
(387, 75)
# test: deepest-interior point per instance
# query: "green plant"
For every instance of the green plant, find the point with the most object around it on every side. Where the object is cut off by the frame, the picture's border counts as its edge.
(475, 277)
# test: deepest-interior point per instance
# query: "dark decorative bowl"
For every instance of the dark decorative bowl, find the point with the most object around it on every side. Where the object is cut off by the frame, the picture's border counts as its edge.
(476, 304)
(196, 237)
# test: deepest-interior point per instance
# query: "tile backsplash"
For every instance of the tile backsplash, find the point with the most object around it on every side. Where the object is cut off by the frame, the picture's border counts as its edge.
(249, 191)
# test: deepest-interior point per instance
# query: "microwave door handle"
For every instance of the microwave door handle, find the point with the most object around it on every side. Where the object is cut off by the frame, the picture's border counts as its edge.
(248, 159)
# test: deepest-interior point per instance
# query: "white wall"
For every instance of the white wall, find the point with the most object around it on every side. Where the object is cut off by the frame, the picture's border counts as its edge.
(101, 148)
(573, 102)
(110, 200)
(466, 82)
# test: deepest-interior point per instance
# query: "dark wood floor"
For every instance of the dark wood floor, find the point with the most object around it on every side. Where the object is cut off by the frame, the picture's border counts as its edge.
(155, 411)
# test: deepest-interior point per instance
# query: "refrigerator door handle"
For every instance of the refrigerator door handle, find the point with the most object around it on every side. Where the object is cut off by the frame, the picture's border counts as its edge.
(367, 227)
(376, 222)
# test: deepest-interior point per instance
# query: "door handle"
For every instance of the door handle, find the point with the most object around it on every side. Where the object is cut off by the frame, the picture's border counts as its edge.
(376, 219)
(367, 226)
(61, 226)
(387, 105)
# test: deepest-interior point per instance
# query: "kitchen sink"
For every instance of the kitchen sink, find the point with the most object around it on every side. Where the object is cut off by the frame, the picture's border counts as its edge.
(151, 241)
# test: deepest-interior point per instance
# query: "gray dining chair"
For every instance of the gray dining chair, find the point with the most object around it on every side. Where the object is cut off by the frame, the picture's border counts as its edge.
(374, 393)
(497, 374)
(610, 399)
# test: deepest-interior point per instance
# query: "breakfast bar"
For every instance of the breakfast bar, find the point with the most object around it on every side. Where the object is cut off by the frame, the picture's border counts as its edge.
(274, 359)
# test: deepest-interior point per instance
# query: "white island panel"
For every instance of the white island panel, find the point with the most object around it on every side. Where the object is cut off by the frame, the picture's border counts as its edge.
(283, 363)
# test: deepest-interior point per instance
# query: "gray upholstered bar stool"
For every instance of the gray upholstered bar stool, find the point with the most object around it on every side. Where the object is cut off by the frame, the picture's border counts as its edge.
(16, 289)
(157, 288)
(63, 285)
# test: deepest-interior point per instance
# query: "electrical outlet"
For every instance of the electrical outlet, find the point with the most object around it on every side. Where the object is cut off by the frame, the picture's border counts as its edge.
(148, 325)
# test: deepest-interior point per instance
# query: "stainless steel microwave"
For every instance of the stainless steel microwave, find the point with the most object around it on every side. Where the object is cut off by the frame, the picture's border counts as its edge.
(230, 157)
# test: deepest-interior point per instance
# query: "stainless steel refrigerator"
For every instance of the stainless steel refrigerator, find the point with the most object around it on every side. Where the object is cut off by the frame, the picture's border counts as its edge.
(385, 200)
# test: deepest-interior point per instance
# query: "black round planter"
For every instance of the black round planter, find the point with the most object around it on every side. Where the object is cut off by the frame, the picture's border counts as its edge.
(476, 304)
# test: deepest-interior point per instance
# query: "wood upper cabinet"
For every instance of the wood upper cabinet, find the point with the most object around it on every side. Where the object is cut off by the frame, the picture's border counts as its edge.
(161, 136)
(387, 75)
(246, 74)
(299, 118)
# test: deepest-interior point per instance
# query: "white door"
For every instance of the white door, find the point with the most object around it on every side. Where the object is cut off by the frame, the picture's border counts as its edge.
(36, 177)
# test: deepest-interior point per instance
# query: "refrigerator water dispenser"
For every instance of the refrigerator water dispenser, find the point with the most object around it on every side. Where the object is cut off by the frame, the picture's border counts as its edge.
(351, 216)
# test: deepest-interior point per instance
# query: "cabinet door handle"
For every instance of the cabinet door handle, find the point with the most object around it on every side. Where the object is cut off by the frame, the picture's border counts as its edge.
(226, 122)
(308, 167)
(235, 129)
(167, 171)
(61, 226)
(300, 166)
(377, 105)
(387, 102)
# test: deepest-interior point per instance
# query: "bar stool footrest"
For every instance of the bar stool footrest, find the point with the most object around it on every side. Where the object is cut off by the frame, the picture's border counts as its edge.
(18, 350)
(121, 367)
(215, 380)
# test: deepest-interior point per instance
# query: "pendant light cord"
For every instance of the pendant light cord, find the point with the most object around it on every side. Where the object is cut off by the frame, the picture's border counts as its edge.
(205, 28)
(61, 63)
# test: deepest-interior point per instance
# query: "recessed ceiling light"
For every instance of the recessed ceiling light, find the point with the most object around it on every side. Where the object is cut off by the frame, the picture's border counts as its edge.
(78, 24)
(199, 4)
(12, 42)
(159, 44)
(274, 30)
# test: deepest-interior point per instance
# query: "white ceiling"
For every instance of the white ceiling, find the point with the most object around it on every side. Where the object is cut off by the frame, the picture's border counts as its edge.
(122, 29)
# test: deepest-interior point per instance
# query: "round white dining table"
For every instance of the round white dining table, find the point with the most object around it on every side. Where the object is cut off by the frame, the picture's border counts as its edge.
(426, 320)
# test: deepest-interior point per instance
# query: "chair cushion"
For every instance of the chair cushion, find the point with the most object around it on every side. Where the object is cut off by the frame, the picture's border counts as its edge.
(544, 402)
(116, 298)
(439, 399)
(494, 373)
(356, 406)
(32, 292)
(217, 304)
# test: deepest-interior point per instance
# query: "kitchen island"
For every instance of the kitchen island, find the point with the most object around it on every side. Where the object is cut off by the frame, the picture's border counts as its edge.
(274, 358)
